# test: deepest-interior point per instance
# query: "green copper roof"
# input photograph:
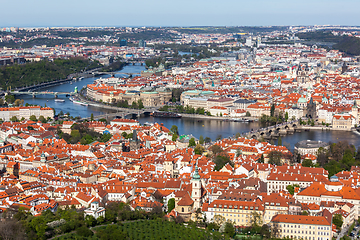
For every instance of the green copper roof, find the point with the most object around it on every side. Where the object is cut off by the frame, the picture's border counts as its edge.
(302, 100)
(196, 175)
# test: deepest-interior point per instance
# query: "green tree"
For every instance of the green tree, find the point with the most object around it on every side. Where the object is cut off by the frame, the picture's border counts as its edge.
(201, 139)
(261, 160)
(291, 188)
(207, 140)
(337, 220)
(14, 119)
(272, 110)
(134, 105)
(219, 220)
(255, 221)
(10, 98)
(229, 229)
(171, 204)
(100, 220)
(33, 118)
(174, 129)
(42, 119)
(275, 157)
(265, 231)
(247, 114)
(238, 152)
(307, 163)
(92, 117)
(221, 161)
(90, 221)
(199, 149)
(286, 116)
(174, 137)
(19, 102)
(140, 104)
(279, 141)
(84, 232)
(192, 142)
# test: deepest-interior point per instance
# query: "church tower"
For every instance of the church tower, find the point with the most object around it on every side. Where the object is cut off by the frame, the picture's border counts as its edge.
(196, 188)
(355, 112)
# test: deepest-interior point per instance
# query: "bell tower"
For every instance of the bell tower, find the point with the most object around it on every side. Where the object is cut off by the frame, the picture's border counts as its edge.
(196, 188)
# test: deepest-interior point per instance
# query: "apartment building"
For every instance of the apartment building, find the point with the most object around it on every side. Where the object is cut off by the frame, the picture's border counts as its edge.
(302, 227)
(239, 212)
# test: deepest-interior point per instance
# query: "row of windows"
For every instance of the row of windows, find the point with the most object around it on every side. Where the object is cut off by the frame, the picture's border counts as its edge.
(307, 238)
(305, 232)
(231, 210)
(302, 226)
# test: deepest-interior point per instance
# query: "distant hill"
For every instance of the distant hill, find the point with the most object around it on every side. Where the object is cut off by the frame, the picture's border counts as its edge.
(346, 44)
(349, 45)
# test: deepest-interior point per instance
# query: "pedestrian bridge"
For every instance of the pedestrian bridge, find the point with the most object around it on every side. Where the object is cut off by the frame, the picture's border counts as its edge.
(275, 131)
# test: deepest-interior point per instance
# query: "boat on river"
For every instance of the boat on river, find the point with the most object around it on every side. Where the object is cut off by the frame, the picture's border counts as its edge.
(59, 100)
(78, 102)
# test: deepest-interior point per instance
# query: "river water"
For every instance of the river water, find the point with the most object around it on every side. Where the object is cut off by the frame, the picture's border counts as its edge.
(206, 128)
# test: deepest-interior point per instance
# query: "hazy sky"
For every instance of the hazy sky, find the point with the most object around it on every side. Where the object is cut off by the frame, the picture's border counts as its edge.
(23, 13)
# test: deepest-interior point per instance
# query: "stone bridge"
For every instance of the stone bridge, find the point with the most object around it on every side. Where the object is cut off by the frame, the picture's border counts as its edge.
(275, 131)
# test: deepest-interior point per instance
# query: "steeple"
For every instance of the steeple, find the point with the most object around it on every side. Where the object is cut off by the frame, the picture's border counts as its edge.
(196, 175)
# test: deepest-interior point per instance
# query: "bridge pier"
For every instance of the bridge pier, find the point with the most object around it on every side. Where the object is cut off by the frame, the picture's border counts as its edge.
(33, 95)
(56, 96)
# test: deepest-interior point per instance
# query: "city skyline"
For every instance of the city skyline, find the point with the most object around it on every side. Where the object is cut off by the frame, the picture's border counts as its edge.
(188, 13)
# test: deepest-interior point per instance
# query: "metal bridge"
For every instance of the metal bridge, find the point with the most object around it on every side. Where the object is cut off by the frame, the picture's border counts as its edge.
(34, 94)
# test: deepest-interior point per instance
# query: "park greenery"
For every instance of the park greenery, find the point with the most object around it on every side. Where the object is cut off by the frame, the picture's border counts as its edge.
(120, 222)
(135, 105)
(340, 157)
(32, 73)
(80, 132)
(274, 119)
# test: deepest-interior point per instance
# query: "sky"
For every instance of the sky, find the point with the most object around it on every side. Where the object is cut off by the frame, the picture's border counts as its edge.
(43, 13)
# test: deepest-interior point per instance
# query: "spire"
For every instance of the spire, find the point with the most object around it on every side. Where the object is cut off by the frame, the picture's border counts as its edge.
(355, 105)
(196, 175)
